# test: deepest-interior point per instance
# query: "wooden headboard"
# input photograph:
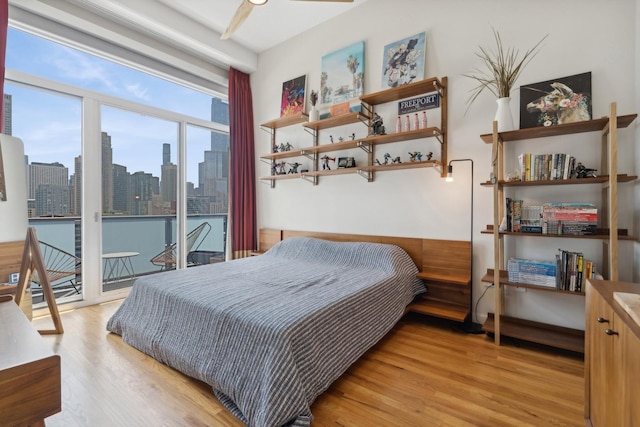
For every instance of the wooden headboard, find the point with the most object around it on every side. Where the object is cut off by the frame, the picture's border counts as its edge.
(443, 265)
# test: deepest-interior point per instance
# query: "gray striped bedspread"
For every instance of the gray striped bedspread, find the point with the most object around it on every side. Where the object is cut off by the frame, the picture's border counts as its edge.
(271, 333)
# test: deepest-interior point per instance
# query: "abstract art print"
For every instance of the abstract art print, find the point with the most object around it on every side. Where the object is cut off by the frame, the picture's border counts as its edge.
(403, 61)
(342, 75)
(556, 102)
(293, 96)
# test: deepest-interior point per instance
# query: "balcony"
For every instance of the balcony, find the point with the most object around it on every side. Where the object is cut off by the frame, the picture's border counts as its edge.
(129, 243)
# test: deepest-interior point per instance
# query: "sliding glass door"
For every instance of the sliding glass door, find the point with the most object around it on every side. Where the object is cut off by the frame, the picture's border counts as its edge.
(139, 195)
(49, 124)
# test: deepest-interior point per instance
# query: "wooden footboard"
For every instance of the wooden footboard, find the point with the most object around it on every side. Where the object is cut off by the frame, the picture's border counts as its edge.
(443, 265)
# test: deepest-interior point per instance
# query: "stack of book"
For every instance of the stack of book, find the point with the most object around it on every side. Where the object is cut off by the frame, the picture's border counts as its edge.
(513, 210)
(540, 273)
(573, 270)
(531, 221)
(521, 218)
(543, 167)
(576, 219)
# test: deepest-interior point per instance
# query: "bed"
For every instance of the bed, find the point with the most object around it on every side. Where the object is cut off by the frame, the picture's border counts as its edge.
(272, 332)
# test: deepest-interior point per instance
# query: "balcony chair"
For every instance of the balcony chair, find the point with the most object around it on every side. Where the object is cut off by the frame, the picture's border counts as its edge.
(167, 258)
(63, 269)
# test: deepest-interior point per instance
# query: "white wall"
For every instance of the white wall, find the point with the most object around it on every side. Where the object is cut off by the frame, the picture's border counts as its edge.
(13, 210)
(584, 35)
(636, 259)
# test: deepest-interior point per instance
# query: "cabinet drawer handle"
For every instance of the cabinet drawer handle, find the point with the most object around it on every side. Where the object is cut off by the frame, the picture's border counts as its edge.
(602, 320)
(610, 332)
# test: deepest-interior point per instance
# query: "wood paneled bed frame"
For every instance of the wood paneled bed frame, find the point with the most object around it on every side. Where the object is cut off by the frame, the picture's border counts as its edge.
(443, 265)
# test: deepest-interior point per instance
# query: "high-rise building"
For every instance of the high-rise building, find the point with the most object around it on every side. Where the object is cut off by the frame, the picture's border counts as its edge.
(7, 119)
(107, 173)
(31, 208)
(213, 172)
(52, 200)
(46, 174)
(220, 111)
(169, 183)
(121, 190)
(166, 153)
(76, 206)
(143, 187)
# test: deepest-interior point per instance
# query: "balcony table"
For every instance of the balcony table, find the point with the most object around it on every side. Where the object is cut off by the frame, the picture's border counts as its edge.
(118, 265)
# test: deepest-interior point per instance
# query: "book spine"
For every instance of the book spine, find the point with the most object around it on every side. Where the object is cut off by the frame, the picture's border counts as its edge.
(580, 273)
(516, 215)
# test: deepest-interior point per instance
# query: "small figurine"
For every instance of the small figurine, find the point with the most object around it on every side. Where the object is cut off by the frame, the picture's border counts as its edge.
(583, 172)
(387, 156)
(325, 161)
(331, 138)
(274, 168)
(415, 156)
(387, 159)
(281, 170)
(353, 136)
(275, 148)
(288, 146)
(430, 155)
(377, 127)
(282, 148)
(340, 139)
(294, 167)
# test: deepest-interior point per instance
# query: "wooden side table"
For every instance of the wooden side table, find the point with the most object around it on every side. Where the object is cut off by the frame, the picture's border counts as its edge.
(30, 385)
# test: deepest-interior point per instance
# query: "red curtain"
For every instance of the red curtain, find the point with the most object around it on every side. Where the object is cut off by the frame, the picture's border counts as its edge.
(242, 171)
(4, 22)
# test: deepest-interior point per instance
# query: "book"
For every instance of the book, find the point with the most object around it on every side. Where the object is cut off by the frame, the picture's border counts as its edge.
(521, 166)
(577, 219)
(573, 270)
(540, 273)
(516, 215)
(544, 167)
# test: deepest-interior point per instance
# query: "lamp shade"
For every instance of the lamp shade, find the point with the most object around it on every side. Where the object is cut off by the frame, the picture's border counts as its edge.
(13, 206)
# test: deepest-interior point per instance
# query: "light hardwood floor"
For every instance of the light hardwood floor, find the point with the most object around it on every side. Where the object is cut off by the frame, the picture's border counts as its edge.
(423, 373)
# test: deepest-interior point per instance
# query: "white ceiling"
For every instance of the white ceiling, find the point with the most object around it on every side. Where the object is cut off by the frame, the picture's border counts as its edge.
(185, 33)
(267, 25)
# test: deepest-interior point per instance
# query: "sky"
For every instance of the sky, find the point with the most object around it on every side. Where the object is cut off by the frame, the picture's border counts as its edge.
(50, 124)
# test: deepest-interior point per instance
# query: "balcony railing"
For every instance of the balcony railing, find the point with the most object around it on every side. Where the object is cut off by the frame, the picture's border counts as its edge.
(137, 238)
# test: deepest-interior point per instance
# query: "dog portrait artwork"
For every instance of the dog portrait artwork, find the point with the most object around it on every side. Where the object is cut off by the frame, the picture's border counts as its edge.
(556, 102)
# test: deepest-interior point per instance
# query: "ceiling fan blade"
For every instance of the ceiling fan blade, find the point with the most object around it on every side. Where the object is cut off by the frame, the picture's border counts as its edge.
(242, 13)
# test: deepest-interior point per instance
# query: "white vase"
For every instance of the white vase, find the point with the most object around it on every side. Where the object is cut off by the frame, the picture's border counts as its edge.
(313, 114)
(503, 115)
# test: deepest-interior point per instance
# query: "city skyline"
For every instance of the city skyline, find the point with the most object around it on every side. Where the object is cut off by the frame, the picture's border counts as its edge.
(50, 127)
(53, 190)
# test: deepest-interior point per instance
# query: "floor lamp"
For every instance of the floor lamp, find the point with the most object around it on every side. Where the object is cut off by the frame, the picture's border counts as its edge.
(469, 325)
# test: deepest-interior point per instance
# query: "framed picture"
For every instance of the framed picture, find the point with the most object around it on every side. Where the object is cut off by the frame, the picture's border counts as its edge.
(293, 96)
(346, 162)
(403, 61)
(556, 102)
(342, 75)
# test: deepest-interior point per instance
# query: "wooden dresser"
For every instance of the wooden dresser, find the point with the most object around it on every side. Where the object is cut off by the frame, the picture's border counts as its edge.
(30, 387)
(612, 357)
